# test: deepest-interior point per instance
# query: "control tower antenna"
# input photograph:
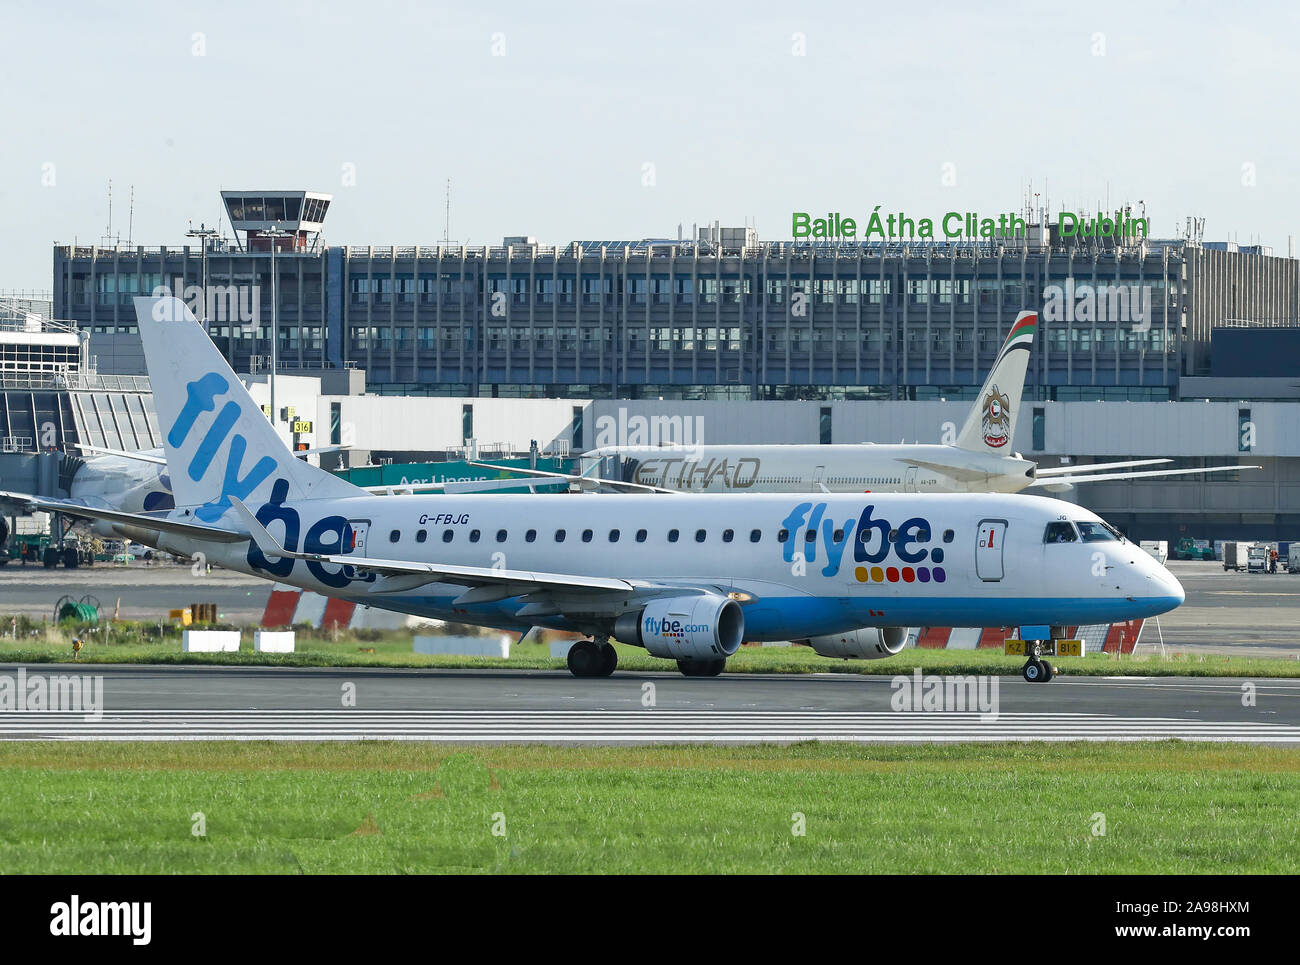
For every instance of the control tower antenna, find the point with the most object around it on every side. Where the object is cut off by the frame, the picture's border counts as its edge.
(130, 220)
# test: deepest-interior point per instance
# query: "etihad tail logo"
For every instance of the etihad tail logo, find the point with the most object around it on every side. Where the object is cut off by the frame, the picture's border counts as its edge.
(996, 420)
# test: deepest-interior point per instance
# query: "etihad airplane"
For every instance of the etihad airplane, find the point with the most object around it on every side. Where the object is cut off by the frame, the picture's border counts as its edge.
(979, 459)
(688, 578)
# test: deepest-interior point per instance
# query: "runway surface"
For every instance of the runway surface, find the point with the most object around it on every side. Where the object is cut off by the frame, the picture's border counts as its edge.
(1243, 614)
(269, 703)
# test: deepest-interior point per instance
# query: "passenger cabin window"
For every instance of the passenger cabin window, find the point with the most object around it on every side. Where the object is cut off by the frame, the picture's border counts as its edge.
(530, 536)
(1059, 532)
(641, 535)
(501, 536)
(394, 536)
(755, 535)
(782, 535)
(586, 536)
(421, 536)
(672, 535)
(613, 536)
(948, 535)
(1096, 532)
(473, 535)
(559, 535)
(699, 535)
(447, 534)
(728, 535)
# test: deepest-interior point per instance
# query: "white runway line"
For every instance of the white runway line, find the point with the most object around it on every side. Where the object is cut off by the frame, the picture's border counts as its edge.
(624, 727)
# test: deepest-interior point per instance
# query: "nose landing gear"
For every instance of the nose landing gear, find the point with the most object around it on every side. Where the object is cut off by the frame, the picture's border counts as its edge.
(1036, 669)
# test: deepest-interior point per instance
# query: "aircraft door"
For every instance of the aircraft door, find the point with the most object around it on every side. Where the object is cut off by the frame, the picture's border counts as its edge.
(988, 551)
(356, 543)
(819, 476)
(909, 480)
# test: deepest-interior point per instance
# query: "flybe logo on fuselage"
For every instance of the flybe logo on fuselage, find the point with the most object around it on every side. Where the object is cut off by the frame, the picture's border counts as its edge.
(874, 540)
(201, 396)
(328, 536)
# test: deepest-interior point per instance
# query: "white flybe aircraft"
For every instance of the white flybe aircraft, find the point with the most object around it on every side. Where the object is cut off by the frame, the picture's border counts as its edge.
(979, 460)
(686, 578)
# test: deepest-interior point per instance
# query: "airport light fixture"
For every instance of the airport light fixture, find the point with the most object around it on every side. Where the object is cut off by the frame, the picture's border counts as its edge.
(275, 232)
(204, 233)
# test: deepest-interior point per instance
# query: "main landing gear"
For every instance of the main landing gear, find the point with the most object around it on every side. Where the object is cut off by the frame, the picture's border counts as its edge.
(592, 658)
(701, 668)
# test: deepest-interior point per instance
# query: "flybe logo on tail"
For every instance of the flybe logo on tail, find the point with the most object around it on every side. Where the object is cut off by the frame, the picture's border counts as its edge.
(201, 397)
(874, 540)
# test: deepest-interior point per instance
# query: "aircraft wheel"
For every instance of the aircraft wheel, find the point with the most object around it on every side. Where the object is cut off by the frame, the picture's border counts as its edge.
(701, 668)
(585, 659)
(1033, 671)
(50, 559)
(609, 659)
(70, 558)
(1048, 671)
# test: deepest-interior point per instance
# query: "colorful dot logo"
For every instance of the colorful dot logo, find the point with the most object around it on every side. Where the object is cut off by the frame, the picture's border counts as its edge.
(921, 574)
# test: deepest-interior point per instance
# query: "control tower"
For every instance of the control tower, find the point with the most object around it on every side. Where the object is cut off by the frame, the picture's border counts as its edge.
(301, 213)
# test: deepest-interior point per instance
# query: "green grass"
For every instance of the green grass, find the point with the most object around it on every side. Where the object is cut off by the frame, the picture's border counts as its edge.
(141, 643)
(380, 807)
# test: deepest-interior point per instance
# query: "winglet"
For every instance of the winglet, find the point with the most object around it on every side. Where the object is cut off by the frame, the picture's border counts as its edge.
(257, 532)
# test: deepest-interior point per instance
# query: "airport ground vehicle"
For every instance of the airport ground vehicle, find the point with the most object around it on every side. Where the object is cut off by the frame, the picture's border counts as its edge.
(1257, 558)
(1236, 554)
(1158, 548)
(1193, 549)
(1293, 558)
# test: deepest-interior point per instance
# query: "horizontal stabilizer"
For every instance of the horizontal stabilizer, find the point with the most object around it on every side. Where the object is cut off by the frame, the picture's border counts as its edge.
(161, 524)
(1107, 476)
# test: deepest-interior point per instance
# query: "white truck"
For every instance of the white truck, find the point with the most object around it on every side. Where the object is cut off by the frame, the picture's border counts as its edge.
(1293, 558)
(1235, 555)
(1257, 557)
(1159, 548)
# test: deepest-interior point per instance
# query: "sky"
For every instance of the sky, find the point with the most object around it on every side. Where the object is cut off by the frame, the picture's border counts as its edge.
(589, 120)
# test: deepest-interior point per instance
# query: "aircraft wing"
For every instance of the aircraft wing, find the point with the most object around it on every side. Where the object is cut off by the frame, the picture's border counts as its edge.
(124, 453)
(1097, 467)
(148, 456)
(160, 524)
(451, 487)
(1066, 481)
(571, 477)
(408, 574)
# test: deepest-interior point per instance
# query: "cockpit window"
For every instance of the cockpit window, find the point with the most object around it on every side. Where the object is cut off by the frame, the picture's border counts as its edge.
(1096, 532)
(1060, 532)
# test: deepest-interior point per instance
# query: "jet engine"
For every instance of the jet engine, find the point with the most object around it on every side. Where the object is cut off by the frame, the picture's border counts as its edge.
(865, 643)
(703, 627)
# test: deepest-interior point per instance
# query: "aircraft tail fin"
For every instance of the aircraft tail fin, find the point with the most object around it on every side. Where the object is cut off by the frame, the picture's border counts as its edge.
(217, 440)
(991, 424)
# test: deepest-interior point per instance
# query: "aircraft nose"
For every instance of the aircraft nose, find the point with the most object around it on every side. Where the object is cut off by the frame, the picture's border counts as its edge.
(1166, 587)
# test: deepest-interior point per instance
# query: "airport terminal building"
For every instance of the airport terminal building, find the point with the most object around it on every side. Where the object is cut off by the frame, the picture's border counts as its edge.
(722, 316)
(842, 342)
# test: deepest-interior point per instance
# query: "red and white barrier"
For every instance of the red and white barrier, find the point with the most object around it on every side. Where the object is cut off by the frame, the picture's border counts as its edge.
(1121, 638)
(289, 606)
